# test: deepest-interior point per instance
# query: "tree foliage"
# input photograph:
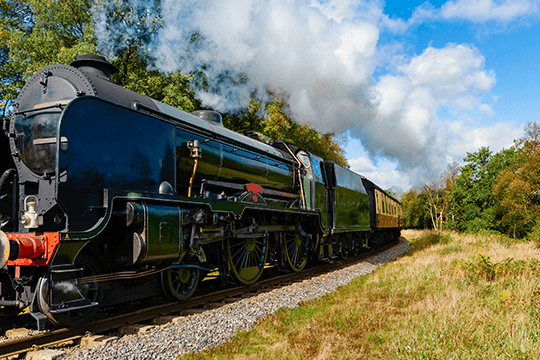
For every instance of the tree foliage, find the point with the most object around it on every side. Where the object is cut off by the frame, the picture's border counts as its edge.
(429, 206)
(279, 126)
(37, 33)
(473, 203)
(172, 89)
(518, 187)
(415, 210)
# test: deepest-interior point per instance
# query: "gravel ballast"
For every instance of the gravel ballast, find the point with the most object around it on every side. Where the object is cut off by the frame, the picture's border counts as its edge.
(214, 327)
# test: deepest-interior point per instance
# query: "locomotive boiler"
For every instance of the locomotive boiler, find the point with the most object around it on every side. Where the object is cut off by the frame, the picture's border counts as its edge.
(108, 196)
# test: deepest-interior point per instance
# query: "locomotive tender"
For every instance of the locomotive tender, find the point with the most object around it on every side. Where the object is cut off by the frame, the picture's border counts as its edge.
(108, 196)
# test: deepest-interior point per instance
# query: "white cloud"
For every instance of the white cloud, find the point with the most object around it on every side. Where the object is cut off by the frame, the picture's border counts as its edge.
(357, 44)
(362, 164)
(381, 172)
(486, 109)
(405, 126)
(417, 114)
(463, 139)
(488, 10)
(370, 11)
(390, 94)
(455, 140)
(478, 11)
(388, 178)
(424, 12)
(450, 72)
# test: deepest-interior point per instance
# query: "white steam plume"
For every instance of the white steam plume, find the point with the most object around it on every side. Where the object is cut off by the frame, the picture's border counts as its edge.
(322, 56)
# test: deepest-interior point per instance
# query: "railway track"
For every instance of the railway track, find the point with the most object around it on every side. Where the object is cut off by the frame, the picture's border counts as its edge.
(9, 349)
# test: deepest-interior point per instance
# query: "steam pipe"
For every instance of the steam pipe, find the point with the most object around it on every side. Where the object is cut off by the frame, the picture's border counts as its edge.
(192, 177)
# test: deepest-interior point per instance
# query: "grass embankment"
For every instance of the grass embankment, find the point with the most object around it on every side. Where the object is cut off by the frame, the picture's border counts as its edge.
(452, 296)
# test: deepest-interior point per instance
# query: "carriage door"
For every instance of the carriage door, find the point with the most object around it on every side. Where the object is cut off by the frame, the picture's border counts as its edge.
(307, 179)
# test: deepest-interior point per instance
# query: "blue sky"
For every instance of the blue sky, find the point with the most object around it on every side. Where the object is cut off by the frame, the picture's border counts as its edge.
(511, 49)
(508, 42)
(408, 87)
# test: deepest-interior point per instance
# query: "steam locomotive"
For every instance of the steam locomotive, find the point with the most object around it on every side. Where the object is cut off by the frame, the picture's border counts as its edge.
(109, 196)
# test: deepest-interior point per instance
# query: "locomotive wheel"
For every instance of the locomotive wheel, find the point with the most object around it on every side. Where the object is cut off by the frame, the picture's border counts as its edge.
(247, 257)
(93, 292)
(296, 252)
(180, 284)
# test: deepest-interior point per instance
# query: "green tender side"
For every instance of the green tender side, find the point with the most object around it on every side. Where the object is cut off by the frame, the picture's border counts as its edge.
(352, 201)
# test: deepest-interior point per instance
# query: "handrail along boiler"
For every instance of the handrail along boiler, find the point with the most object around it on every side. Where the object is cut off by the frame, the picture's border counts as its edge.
(108, 196)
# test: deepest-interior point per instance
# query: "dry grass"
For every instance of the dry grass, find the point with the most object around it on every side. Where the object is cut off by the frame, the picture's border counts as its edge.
(453, 296)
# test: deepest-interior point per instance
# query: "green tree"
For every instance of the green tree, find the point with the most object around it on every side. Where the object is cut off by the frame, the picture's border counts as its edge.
(12, 18)
(173, 89)
(518, 187)
(247, 121)
(438, 196)
(473, 206)
(279, 126)
(416, 210)
(37, 33)
(430, 206)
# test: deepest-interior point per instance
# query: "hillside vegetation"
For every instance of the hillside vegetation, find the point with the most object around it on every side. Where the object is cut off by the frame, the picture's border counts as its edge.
(452, 296)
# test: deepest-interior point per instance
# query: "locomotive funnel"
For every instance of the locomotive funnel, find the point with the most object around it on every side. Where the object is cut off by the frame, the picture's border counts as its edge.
(94, 64)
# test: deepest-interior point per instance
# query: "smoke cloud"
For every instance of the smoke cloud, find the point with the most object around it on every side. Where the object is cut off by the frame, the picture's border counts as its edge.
(322, 56)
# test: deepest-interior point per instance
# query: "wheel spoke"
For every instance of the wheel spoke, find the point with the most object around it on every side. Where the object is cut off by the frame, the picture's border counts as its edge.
(240, 249)
(245, 259)
(247, 256)
(242, 259)
(295, 251)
